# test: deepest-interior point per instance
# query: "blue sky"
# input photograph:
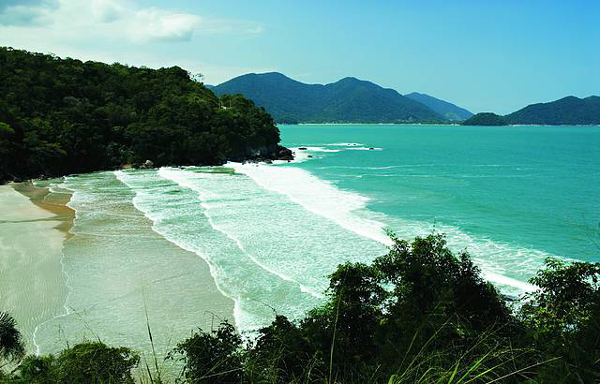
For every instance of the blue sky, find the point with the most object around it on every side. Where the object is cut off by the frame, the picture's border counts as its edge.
(483, 55)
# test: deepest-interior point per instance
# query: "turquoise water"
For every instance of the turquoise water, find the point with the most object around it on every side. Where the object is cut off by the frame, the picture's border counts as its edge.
(528, 188)
(178, 244)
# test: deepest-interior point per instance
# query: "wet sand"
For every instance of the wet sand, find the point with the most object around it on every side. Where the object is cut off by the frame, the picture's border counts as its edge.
(55, 203)
(32, 284)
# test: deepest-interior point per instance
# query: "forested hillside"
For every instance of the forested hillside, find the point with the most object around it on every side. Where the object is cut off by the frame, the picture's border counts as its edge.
(348, 100)
(61, 116)
(569, 110)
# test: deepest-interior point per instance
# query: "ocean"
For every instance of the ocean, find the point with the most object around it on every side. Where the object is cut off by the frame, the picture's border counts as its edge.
(268, 236)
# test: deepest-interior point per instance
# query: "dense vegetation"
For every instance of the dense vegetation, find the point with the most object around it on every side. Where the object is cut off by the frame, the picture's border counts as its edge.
(485, 119)
(445, 109)
(60, 116)
(418, 314)
(569, 110)
(348, 100)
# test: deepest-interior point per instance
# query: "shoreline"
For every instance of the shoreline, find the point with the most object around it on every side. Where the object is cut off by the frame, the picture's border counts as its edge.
(35, 288)
(32, 283)
(118, 269)
(53, 202)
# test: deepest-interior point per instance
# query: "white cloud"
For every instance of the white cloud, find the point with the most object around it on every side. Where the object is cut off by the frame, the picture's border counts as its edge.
(160, 25)
(122, 31)
(108, 10)
(110, 19)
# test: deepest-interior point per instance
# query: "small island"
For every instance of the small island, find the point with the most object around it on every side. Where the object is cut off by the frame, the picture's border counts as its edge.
(485, 119)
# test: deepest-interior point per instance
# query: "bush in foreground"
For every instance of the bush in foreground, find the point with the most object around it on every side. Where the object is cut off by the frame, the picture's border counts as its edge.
(88, 362)
(421, 314)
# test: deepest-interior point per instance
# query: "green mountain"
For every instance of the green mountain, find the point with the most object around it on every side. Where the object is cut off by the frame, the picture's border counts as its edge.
(348, 100)
(60, 116)
(485, 119)
(445, 109)
(569, 110)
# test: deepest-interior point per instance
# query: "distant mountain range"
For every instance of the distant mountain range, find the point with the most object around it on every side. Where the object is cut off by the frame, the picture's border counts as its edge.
(447, 110)
(569, 110)
(347, 100)
(351, 100)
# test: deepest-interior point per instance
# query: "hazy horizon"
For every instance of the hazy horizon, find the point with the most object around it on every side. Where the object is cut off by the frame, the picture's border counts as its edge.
(493, 56)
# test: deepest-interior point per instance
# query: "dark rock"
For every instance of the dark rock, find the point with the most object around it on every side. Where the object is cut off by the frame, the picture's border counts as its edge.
(147, 165)
(263, 154)
(284, 154)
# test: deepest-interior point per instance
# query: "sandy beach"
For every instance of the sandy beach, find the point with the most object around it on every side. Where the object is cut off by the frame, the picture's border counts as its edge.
(67, 280)
(32, 284)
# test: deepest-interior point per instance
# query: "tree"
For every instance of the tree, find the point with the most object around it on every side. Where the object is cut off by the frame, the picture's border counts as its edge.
(212, 357)
(11, 343)
(62, 116)
(563, 315)
(84, 363)
(7, 150)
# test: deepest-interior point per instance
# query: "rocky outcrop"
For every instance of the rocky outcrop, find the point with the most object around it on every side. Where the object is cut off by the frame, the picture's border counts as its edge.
(271, 152)
(285, 154)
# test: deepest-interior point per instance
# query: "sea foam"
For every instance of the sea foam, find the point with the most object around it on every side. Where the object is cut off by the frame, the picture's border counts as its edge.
(349, 211)
(317, 196)
(255, 241)
(278, 231)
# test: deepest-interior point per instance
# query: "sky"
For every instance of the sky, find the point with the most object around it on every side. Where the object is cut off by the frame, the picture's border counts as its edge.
(484, 55)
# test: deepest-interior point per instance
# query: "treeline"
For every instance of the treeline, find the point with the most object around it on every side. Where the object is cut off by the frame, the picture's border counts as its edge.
(419, 314)
(61, 116)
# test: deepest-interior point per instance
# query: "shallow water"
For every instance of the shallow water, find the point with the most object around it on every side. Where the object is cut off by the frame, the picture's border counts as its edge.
(32, 285)
(121, 276)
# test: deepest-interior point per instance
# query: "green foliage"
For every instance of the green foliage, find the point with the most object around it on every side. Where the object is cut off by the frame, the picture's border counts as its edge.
(214, 357)
(282, 354)
(60, 116)
(11, 344)
(565, 298)
(418, 312)
(564, 317)
(35, 370)
(85, 363)
(485, 119)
